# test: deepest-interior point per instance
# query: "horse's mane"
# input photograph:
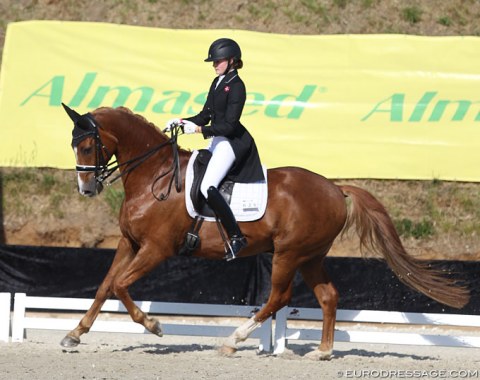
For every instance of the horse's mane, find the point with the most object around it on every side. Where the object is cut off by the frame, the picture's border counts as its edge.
(128, 111)
(139, 118)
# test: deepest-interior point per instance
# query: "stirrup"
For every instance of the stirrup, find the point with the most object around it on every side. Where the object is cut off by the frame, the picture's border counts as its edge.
(234, 246)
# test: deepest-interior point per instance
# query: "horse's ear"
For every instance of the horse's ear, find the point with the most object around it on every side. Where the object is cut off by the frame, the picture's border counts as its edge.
(75, 116)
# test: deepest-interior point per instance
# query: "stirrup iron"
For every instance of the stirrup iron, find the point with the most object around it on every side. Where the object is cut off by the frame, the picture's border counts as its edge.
(234, 246)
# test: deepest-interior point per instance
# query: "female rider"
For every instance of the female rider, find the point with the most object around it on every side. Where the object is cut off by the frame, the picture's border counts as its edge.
(234, 153)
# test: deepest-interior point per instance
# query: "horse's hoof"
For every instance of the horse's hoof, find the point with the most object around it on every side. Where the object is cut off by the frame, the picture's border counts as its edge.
(319, 355)
(70, 341)
(157, 329)
(227, 350)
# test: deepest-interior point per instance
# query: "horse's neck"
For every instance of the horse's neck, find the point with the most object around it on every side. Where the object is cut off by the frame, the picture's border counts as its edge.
(134, 141)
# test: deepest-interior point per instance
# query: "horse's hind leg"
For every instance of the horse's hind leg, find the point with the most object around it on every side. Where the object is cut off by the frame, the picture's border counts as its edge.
(317, 279)
(123, 257)
(280, 294)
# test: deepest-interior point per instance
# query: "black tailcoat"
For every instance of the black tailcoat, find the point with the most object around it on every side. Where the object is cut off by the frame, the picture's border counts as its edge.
(223, 109)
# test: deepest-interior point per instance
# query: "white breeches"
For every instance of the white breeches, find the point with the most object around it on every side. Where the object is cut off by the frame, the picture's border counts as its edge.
(222, 160)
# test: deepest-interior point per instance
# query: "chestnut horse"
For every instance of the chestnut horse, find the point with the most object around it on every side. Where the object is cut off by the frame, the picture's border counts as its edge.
(305, 214)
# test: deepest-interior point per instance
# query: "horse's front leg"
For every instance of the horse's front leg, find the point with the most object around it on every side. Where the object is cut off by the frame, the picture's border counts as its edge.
(123, 257)
(147, 258)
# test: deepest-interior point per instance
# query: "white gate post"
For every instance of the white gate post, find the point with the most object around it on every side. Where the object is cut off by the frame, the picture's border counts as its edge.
(18, 322)
(5, 316)
(280, 330)
(265, 344)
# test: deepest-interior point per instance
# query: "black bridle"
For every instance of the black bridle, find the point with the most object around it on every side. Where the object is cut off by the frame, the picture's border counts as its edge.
(103, 169)
(80, 133)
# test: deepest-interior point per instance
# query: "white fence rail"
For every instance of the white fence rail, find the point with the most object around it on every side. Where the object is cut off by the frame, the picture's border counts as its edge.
(22, 303)
(283, 333)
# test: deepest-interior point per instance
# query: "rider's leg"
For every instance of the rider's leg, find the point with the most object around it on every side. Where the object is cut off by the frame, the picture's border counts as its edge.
(222, 159)
(225, 214)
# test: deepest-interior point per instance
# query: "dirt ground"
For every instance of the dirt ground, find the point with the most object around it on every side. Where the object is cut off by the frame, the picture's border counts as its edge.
(131, 356)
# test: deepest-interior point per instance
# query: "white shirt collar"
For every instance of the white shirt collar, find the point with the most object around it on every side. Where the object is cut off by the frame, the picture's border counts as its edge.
(220, 78)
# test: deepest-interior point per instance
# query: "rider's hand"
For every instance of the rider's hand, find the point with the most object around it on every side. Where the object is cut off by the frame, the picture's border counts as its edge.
(189, 127)
(171, 123)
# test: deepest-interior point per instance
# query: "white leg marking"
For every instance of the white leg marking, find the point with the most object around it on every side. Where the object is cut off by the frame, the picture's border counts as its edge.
(242, 333)
(319, 355)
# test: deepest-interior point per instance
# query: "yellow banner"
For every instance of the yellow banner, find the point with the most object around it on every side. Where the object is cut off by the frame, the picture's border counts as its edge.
(345, 106)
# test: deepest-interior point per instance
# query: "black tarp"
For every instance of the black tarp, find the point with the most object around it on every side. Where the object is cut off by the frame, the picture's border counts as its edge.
(362, 284)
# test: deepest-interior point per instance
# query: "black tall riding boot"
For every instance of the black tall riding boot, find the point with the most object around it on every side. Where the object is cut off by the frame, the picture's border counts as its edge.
(224, 213)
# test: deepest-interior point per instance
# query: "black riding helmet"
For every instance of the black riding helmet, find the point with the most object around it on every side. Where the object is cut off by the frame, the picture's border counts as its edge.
(224, 48)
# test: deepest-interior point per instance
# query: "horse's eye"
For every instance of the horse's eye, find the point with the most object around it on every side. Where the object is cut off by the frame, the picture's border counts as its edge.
(87, 150)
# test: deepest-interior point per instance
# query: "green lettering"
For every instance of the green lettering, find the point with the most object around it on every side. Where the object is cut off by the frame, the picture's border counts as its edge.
(254, 99)
(200, 100)
(174, 104)
(299, 102)
(83, 89)
(461, 111)
(394, 107)
(54, 92)
(421, 106)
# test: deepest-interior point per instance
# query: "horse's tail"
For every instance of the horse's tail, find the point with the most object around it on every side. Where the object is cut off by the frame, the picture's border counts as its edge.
(378, 235)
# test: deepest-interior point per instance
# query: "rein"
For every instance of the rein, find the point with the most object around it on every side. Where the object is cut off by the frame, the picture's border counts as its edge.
(103, 171)
(176, 176)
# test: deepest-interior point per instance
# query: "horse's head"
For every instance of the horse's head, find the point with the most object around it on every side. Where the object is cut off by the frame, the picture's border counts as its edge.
(91, 154)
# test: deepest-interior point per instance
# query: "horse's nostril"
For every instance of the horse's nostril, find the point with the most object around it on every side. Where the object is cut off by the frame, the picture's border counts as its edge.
(86, 193)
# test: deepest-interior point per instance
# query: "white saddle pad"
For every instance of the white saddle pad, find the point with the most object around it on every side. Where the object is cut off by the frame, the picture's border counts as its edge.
(249, 200)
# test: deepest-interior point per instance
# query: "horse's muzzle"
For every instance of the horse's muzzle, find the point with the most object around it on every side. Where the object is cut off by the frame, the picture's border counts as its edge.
(89, 188)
